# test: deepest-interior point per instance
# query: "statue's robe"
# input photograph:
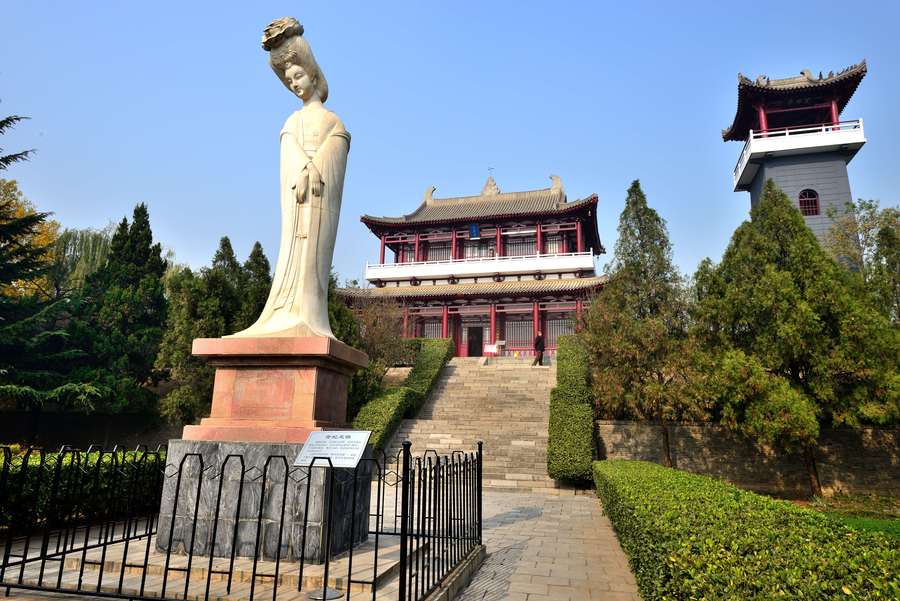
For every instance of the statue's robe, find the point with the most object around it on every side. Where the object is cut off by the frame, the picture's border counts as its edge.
(298, 301)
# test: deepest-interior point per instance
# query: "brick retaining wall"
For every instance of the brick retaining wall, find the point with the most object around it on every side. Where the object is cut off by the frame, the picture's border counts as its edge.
(867, 461)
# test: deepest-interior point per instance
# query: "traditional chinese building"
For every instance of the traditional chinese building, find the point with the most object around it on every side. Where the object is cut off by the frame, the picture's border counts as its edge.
(793, 133)
(490, 270)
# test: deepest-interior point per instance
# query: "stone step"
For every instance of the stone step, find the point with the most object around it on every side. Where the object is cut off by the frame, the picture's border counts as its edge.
(504, 403)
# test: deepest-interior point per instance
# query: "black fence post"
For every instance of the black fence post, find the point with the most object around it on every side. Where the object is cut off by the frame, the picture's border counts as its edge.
(480, 499)
(404, 519)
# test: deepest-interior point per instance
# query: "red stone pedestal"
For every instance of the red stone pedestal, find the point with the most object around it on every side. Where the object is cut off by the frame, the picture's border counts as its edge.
(275, 389)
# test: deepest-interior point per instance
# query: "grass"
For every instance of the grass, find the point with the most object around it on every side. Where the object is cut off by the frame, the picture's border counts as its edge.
(871, 513)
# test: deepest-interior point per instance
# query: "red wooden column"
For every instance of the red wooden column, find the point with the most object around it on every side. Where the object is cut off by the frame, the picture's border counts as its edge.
(578, 308)
(579, 237)
(416, 253)
(381, 254)
(536, 319)
(453, 244)
(445, 318)
(540, 238)
(493, 314)
(763, 120)
(498, 245)
(835, 115)
(405, 321)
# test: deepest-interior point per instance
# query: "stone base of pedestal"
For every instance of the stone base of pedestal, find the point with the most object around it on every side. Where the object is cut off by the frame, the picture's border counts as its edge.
(275, 389)
(250, 497)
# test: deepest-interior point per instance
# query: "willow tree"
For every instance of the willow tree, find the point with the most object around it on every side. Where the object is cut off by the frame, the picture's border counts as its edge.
(797, 343)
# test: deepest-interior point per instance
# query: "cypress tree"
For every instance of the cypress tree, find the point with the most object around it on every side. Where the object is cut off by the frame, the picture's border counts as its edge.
(636, 328)
(122, 312)
(257, 280)
(797, 344)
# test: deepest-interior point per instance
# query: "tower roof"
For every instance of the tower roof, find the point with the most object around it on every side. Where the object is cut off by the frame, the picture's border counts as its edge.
(797, 91)
(490, 204)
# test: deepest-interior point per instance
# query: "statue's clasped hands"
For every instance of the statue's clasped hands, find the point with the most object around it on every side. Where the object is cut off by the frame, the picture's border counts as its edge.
(309, 179)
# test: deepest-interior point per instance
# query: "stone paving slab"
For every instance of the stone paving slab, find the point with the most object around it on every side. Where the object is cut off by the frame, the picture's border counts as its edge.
(544, 548)
(541, 548)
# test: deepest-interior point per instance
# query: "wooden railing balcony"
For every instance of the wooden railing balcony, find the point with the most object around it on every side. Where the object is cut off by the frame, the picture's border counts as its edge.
(825, 137)
(482, 266)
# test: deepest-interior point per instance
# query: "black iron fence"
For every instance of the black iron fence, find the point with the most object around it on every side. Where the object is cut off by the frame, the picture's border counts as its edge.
(138, 525)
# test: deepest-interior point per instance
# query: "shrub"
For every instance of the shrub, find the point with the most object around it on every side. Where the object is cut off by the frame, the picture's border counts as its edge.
(570, 446)
(694, 537)
(433, 355)
(54, 489)
(383, 413)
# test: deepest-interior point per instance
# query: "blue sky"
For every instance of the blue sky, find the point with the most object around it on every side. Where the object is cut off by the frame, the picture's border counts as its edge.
(174, 104)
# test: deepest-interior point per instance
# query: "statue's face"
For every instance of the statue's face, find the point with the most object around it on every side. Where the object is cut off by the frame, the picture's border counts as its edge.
(300, 82)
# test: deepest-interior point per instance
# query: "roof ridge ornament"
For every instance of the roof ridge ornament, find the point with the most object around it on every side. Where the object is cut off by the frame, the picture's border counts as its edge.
(490, 187)
(557, 184)
(428, 198)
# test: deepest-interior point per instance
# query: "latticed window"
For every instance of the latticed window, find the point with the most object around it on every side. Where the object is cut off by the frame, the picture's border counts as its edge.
(431, 328)
(519, 246)
(809, 202)
(519, 332)
(439, 251)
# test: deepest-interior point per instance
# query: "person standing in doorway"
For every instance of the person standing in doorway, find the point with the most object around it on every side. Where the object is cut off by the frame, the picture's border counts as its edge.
(538, 349)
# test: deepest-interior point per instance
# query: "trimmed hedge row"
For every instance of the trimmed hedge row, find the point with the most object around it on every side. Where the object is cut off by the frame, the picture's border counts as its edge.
(57, 488)
(570, 448)
(383, 413)
(694, 537)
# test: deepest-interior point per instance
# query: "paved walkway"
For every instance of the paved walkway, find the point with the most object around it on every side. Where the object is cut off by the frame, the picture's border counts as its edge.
(541, 548)
(544, 548)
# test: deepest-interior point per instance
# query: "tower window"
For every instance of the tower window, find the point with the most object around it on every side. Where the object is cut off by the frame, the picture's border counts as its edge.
(809, 202)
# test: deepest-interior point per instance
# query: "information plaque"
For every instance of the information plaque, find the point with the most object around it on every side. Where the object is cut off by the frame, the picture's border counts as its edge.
(344, 447)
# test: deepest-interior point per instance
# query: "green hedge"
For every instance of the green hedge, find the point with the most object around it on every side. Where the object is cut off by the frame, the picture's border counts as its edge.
(694, 537)
(383, 413)
(433, 355)
(570, 448)
(74, 486)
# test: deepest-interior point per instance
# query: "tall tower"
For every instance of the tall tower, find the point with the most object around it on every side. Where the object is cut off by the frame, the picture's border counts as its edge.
(793, 134)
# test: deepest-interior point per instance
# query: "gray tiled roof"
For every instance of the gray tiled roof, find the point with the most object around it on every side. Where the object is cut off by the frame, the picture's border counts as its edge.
(491, 203)
(480, 289)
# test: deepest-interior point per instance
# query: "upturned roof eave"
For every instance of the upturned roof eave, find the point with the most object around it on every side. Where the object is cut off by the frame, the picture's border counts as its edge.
(852, 76)
(459, 290)
(396, 223)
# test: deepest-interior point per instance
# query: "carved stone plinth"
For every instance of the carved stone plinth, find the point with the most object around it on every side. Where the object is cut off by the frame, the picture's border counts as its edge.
(244, 498)
(275, 389)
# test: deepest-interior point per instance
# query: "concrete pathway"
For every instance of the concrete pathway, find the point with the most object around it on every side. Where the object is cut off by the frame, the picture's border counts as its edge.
(544, 548)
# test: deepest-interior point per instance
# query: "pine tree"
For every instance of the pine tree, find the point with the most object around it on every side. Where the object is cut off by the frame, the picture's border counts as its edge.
(797, 344)
(636, 328)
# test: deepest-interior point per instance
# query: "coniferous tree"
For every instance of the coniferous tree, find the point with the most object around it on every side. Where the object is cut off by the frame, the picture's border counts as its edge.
(636, 328)
(121, 313)
(257, 282)
(209, 304)
(36, 355)
(796, 344)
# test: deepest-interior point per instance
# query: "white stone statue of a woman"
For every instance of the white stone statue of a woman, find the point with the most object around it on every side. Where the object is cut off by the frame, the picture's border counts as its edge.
(314, 147)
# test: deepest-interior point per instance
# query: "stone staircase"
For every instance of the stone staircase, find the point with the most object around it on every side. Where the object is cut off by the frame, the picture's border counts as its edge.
(504, 403)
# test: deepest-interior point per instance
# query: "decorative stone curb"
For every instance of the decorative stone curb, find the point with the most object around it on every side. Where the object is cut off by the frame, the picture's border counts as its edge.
(459, 578)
